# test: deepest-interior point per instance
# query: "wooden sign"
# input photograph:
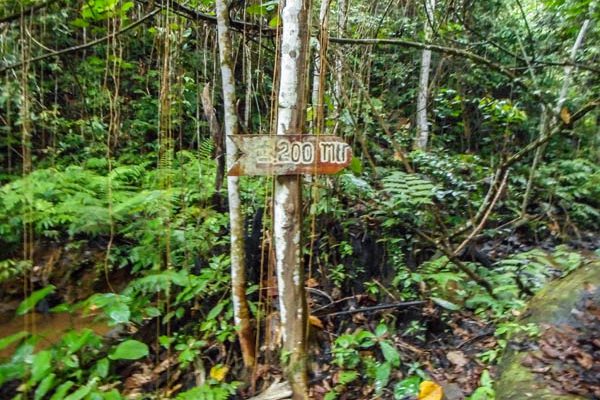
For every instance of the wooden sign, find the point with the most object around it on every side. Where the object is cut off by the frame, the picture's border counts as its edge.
(289, 155)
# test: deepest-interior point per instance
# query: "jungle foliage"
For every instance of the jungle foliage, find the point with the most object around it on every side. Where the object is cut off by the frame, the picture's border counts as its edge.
(111, 206)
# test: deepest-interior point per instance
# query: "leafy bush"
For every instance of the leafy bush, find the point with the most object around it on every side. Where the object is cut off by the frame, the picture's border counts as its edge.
(574, 185)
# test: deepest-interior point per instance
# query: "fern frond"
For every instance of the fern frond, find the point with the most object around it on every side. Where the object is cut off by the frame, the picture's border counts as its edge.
(406, 190)
(205, 149)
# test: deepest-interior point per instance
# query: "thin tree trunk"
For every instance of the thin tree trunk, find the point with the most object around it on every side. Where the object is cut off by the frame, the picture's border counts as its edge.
(422, 95)
(562, 96)
(318, 89)
(287, 210)
(215, 131)
(236, 219)
(549, 116)
(248, 96)
(339, 64)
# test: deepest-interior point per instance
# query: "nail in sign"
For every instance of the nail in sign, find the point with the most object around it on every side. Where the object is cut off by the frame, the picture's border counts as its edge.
(289, 155)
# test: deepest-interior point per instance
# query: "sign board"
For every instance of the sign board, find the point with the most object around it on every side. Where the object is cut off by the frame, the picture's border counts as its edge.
(289, 155)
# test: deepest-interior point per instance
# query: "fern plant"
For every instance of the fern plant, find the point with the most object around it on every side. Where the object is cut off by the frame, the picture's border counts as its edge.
(575, 186)
(407, 190)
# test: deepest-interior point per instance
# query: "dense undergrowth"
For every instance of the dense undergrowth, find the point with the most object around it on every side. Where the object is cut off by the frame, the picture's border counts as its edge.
(118, 224)
(179, 316)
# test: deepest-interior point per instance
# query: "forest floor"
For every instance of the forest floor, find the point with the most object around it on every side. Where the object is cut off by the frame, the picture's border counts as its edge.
(445, 346)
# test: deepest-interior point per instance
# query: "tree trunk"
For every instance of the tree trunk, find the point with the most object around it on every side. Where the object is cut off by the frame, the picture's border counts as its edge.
(422, 125)
(287, 210)
(318, 88)
(562, 96)
(339, 64)
(215, 131)
(236, 219)
(549, 116)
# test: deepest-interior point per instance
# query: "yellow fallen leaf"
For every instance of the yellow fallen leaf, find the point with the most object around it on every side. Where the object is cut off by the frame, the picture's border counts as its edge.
(314, 321)
(430, 391)
(565, 115)
(312, 282)
(218, 372)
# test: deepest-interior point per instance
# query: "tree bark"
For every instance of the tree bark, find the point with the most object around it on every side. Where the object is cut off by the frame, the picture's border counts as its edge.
(318, 88)
(338, 84)
(215, 131)
(287, 210)
(236, 218)
(422, 95)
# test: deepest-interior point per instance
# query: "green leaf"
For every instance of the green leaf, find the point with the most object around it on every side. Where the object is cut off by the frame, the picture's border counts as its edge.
(112, 395)
(356, 165)
(274, 22)
(331, 395)
(45, 385)
(486, 379)
(62, 391)
(445, 304)
(365, 339)
(483, 393)
(152, 312)
(165, 341)
(119, 313)
(346, 377)
(41, 365)
(216, 310)
(61, 308)
(30, 302)
(408, 387)
(382, 377)
(80, 23)
(381, 330)
(7, 341)
(256, 9)
(80, 393)
(390, 353)
(12, 370)
(75, 340)
(101, 368)
(115, 306)
(130, 350)
(126, 6)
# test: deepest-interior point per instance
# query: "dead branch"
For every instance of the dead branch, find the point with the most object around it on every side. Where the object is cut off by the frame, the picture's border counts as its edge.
(460, 53)
(513, 159)
(485, 216)
(545, 138)
(194, 15)
(459, 264)
(438, 49)
(397, 148)
(376, 308)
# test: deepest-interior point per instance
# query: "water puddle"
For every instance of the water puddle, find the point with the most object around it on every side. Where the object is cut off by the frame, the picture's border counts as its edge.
(49, 327)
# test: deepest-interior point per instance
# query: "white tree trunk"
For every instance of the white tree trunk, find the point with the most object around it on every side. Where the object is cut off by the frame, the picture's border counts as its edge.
(562, 96)
(287, 208)
(236, 218)
(422, 95)
(550, 116)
